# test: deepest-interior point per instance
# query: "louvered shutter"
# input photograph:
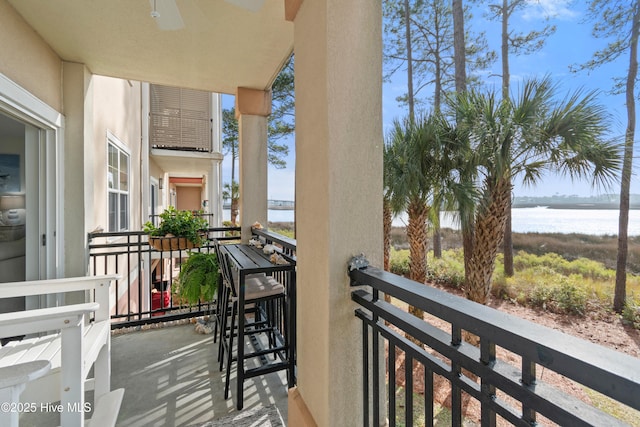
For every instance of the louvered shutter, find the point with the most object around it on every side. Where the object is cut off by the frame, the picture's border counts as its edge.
(180, 118)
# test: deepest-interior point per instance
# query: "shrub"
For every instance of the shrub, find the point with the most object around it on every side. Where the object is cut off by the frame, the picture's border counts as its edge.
(284, 232)
(448, 270)
(399, 262)
(501, 288)
(631, 312)
(562, 297)
(230, 233)
(570, 298)
(547, 281)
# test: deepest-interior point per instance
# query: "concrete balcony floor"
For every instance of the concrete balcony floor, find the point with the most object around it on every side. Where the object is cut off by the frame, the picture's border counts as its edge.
(171, 378)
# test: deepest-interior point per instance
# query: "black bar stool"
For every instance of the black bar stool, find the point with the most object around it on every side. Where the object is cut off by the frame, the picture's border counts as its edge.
(223, 303)
(264, 297)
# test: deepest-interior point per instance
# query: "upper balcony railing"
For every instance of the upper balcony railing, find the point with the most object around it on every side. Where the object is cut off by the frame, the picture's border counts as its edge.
(502, 389)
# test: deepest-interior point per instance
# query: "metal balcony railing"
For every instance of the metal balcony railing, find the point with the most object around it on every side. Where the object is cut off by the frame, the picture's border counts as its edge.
(508, 391)
(144, 293)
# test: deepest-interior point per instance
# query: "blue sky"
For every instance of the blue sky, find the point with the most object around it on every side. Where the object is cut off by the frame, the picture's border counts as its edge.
(571, 44)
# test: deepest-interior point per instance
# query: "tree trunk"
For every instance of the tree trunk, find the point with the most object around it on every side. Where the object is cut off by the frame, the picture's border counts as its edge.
(504, 49)
(418, 213)
(467, 251)
(234, 210)
(459, 51)
(489, 231)
(387, 218)
(460, 75)
(437, 101)
(507, 244)
(437, 235)
(407, 23)
(620, 297)
(437, 83)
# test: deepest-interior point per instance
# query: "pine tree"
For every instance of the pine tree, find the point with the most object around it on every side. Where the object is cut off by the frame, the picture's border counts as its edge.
(517, 44)
(619, 22)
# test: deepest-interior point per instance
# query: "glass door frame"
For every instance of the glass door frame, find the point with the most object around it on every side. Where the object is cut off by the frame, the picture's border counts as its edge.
(44, 140)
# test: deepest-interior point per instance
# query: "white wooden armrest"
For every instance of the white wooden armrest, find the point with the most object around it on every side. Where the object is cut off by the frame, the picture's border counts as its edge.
(54, 286)
(23, 373)
(44, 319)
(59, 286)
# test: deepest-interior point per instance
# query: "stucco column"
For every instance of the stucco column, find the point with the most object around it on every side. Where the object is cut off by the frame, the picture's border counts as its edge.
(214, 194)
(252, 109)
(214, 181)
(78, 173)
(339, 144)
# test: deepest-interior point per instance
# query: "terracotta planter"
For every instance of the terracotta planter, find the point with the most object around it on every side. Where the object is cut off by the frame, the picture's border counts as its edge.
(170, 243)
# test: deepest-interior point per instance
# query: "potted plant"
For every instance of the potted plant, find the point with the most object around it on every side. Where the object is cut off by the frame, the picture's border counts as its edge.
(178, 230)
(198, 278)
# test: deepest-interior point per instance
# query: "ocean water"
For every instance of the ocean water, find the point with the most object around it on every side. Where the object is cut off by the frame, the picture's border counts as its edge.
(530, 220)
(566, 221)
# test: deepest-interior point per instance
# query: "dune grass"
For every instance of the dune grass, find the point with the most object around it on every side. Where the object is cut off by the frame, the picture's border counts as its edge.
(547, 281)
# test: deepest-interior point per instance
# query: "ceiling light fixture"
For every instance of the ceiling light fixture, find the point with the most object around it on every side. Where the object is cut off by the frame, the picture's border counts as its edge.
(154, 12)
(166, 14)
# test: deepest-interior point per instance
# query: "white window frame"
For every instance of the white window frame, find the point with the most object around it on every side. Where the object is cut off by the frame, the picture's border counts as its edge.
(122, 148)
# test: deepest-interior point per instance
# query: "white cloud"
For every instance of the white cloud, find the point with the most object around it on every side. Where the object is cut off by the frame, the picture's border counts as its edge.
(542, 9)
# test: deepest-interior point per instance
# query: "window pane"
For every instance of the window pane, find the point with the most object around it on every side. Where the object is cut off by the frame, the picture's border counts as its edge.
(113, 156)
(124, 171)
(112, 167)
(111, 173)
(124, 212)
(113, 212)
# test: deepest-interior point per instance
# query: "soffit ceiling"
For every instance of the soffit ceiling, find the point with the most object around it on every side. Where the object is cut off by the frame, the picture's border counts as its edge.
(221, 46)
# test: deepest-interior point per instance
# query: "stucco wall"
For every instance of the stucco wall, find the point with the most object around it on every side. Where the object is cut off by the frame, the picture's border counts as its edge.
(96, 105)
(155, 170)
(116, 109)
(27, 60)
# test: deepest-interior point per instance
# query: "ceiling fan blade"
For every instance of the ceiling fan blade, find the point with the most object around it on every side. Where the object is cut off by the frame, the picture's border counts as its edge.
(252, 5)
(166, 14)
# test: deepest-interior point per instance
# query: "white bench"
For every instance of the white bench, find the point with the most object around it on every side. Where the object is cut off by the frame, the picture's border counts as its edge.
(79, 338)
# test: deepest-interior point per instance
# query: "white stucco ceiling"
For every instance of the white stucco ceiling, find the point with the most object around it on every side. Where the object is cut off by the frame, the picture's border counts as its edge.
(221, 46)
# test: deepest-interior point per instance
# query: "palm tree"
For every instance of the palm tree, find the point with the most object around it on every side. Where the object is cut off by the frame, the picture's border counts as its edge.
(409, 190)
(232, 192)
(523, 137)
(418, 164)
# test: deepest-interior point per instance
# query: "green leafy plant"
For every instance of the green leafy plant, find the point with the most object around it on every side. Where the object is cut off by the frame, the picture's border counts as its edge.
(198, 278)
(631, 312)
(175, 223)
